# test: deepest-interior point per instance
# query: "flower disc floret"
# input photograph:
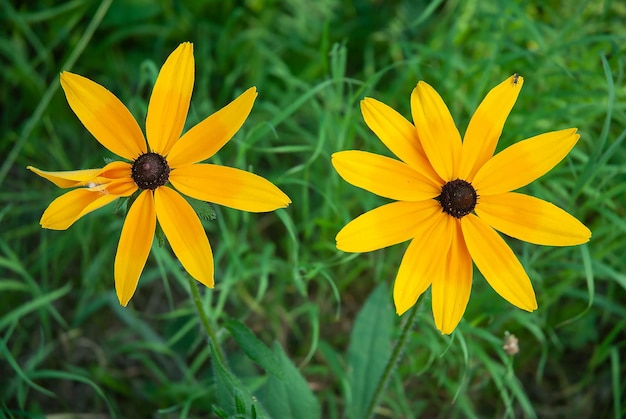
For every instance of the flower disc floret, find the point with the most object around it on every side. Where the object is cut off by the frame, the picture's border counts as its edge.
(458, 198)
(150, 171)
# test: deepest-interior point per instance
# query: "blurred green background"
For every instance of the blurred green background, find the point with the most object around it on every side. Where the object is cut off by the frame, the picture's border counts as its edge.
(67, 347)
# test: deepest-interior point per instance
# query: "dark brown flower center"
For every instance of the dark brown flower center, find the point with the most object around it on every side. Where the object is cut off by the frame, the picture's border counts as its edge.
(150, 171)
(458, 198)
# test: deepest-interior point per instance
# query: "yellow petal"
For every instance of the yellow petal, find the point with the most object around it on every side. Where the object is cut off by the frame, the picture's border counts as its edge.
(383, 176)
(399, 135)
(206, 138)
(169, 102)
(498, 264)
(531, 219)
(387, 225)
(69, 207)
(423, 260)
(134, 246)
(104, 116)
(185, 234)
(228, 186)
(486, 126)
(437, 131)
(452, 286)
(67, 179)
(522, 163)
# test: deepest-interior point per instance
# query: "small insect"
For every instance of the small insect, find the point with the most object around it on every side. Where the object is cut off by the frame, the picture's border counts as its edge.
(515, 79)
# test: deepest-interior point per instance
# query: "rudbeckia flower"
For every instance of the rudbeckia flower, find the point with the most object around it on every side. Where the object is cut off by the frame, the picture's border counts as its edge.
(157, 171)
(452, 198)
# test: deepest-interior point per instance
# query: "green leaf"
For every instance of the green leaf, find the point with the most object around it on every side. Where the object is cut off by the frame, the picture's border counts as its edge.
(233, 398)
(369, 350)
(289, 397)
(254, 348)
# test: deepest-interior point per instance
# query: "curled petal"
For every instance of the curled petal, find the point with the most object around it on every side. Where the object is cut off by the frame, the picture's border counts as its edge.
(532, 220)
(68, 179)
(69, 207)
(228, 186)
(437, 131)
(399, 135)
(422, 261)
(134, 246)
(169, 102)
(387, 225)
(383, 176)
(206, 138)
(104, 116)
(498, 264)
(451, 289)
(185, 234)
(485, 127)
(523, 162)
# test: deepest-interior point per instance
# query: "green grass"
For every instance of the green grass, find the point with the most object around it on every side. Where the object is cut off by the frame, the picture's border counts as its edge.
(66, 345)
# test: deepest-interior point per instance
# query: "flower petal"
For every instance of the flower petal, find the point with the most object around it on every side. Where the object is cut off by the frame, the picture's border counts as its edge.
(399, 135)
(228, 186)
(387, 225)
(206, 138)
(383, 176)
(104, 116)
(69, 207)
(423, 260)
(185, 234)
(169, 102)
(67, 179)
(497, 262)
(531, 219)
(451, 288)
(522, 163)
(134, 246)
(485, 127)
(437, 131)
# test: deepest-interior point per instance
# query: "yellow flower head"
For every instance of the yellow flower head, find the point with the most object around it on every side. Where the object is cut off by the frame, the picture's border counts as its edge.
(452, 196)
(166, 159)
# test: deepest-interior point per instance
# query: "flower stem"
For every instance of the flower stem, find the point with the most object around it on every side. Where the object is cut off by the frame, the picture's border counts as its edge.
(393, 360)
(204, 319)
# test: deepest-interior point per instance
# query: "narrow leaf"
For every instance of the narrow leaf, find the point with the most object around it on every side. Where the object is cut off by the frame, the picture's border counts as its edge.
(254, 348)
(369, 350)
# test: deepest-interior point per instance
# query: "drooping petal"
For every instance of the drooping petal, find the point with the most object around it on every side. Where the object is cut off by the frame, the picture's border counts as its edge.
(206, 138)
(134, 246)
(118, 187)
(387, 225)
(485, 127)
(497, 262)
(531, 219)
(399, 135)
(67, 179)
(185, 234)
(523, 162)
(423, 261)
(437, 131)
(383, 176)
(228, 186)
(69, 207)
(104, 116)
(451, 288)
(169, 102)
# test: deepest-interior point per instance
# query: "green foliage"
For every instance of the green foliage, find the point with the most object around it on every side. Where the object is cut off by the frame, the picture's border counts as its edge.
(67, 347)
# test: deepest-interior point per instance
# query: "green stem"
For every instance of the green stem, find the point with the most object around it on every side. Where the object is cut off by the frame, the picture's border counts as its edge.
(393, 360)
(205, 319)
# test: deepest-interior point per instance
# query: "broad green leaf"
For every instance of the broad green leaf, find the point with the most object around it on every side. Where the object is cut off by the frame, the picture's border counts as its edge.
(254, 348)
(289, 397)
(369, 350)
(232, 396)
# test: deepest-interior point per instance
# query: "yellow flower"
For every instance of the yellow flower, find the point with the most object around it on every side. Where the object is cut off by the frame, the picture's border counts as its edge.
(452, 196)
(166, 157)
